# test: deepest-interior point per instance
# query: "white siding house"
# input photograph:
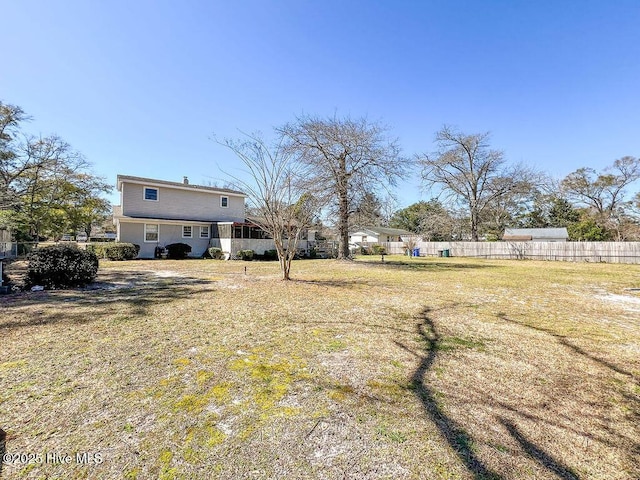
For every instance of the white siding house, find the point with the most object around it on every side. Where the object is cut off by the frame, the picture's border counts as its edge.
(156, 213)
(371, 235)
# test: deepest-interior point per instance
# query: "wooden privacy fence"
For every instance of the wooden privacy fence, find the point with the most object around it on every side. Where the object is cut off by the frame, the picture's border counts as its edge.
(609, 252)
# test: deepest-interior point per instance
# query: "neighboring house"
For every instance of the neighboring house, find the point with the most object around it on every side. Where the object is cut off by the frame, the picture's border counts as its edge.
(535, 235)
(155, 213)
(371, 235)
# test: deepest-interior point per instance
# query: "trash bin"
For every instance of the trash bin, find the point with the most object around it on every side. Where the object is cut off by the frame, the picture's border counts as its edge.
(445, 252)
(439, 253)
(416, 252)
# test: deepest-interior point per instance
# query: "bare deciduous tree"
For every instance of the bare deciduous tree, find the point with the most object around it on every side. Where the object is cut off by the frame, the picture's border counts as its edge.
(603, 192)
(465, 168)
(282, 207)
(343, 158)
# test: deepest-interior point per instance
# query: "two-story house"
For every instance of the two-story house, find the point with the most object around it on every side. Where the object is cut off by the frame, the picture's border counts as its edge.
(156, 213)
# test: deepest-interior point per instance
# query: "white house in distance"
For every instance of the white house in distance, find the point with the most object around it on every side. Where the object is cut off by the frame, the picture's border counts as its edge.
(156, 213)
(378, 235)
(535, 235)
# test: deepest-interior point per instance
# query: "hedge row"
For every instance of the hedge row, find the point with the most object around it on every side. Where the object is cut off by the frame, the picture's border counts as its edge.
(115, 251)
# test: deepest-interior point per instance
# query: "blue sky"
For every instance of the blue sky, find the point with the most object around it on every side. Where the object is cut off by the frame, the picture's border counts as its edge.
(139, 86)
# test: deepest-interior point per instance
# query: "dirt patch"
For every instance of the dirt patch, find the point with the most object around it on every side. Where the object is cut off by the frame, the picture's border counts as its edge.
(628, 302)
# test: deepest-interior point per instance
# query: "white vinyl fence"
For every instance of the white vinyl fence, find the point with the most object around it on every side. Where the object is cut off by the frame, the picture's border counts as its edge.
(609, 252)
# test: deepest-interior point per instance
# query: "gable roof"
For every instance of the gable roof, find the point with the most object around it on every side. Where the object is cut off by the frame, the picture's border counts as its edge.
(180, 185)
(381, 230)
(536, 232)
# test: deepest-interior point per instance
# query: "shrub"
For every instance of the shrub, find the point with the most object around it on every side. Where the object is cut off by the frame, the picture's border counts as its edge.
(115, 251)
(246, 255)
(59, 266)
(378, 250)
(178, 251)
(270, 255)
(215, 253)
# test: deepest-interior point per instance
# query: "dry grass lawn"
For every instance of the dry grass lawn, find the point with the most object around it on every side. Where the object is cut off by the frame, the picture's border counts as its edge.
(432, 368)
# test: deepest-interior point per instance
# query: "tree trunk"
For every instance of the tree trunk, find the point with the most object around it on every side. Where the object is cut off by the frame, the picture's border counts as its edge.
(474, 232)
(474, 224)
(343, 209)
(283, 259)
(343, 226)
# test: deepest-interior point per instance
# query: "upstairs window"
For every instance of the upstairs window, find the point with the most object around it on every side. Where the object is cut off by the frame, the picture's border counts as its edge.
(186, 231)
(224, 202)
(204, 232)
(151, 194)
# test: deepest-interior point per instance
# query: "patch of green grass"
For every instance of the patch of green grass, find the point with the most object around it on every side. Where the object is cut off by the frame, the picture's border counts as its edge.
(10, 365)
(164, 461)
(335, 345)
(396, 364)
(394, 436)
(339, 393)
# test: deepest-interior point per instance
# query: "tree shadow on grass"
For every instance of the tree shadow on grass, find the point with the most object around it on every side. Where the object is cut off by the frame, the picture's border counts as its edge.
(633, 401)
(139, 291)
(562, 339)
(457, 438)
(540, 420)
(539, 455)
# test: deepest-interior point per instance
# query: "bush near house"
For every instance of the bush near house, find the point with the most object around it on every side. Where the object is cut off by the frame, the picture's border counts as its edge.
(246, 255)
(178, 251)
(60, 266)
(378, 250)
(215, 253)
(268, 255)
(115, 251)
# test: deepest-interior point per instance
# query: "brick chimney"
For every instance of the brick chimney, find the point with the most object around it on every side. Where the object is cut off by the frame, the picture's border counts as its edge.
(185, 180)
